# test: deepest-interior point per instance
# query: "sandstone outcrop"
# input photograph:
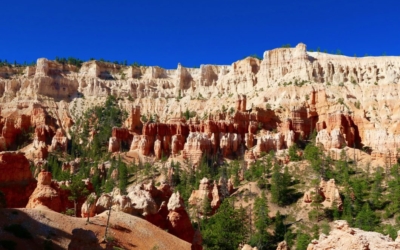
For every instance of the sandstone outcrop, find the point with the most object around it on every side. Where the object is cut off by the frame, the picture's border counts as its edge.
(196, 144)
(89, 206)
(345, 237)
(71, 166)
(248, 247)
(45, 194)
(51, 194)
(213, 193)
(16, 180)
(328, 192)
(142, 201)
(103, 203)
(178, 220)
(59, 141)
(283, 246)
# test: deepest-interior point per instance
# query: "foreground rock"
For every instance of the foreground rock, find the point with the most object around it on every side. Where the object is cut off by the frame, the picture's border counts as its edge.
(52, 195)
(344, 237)
(45, 227)
(16, 180)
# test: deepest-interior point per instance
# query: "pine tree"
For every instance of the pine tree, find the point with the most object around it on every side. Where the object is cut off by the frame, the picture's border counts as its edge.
(280, 229)
(262, 239)
(77, 190)
(226, 229)
(366, 218)
(206, 209)
(394, 189)
(347, 213)
(89, 201)
(293, 152)
(303, 240)
(377, 189)
(279, 185)
(122, 175)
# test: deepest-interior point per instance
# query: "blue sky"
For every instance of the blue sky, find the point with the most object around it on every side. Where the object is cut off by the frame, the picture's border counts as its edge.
(193, 32)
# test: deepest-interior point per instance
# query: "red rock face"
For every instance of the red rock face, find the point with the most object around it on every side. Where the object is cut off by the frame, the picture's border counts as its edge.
(195, 138)
(10, 131)
(119, 136)
(45, 194)
(178, 220)
(16, 180)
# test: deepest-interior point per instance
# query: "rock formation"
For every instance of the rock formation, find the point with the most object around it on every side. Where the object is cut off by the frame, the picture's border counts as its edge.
(89, 206)
(328, 192)
(282, 246)
(45, 194)
(59, 141)
(345, 237)
(50, 194)
(212, 193)
(178, 220)
(16, 180)
(353, 99)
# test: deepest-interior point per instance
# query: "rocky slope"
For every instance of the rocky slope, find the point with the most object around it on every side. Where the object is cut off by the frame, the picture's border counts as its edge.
(43, 229)
(345, 237)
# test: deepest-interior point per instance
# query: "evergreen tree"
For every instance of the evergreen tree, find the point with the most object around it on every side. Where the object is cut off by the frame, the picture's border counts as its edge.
(377, 188)
(317, 199)
(89, 201)
(347, 213)
(303, 240)
(77, 190)
(366, 219)
(280, 228)
(207, 209)
(122, 175)
(342, 169)
(262, 239)
(359, 187)
(226, 229)
(96, 181)
(293, 153)
(394, 189)
(279, 185)
(109, 185)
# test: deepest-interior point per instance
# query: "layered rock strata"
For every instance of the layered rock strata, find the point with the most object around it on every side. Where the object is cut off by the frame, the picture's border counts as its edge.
(348, 100)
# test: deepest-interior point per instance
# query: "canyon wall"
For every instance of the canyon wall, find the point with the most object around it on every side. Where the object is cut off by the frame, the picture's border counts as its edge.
(288, 94)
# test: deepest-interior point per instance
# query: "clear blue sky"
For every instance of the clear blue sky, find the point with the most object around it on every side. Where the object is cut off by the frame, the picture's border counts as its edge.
(193, 32)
